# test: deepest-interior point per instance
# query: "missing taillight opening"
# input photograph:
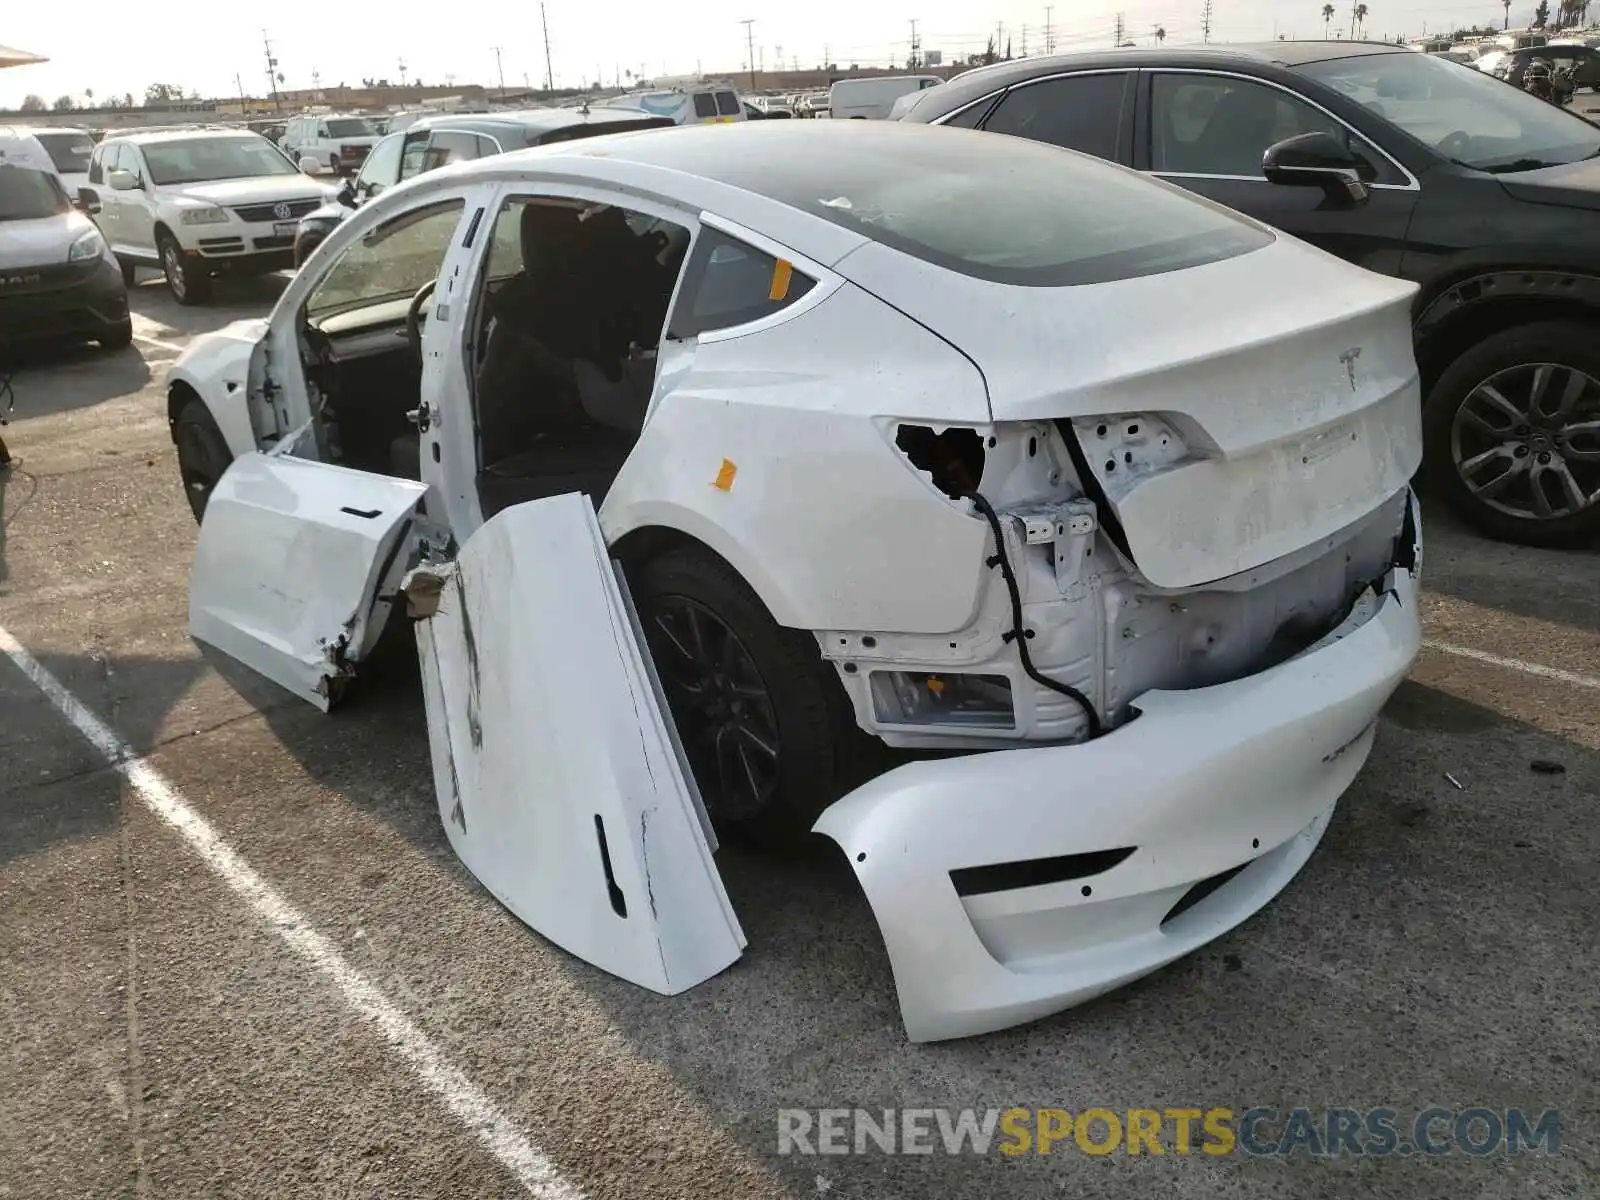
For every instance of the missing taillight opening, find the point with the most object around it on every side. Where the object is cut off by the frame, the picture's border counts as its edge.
(953, 458)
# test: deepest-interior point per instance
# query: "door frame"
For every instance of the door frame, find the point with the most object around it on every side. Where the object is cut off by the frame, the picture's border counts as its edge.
(449, 385)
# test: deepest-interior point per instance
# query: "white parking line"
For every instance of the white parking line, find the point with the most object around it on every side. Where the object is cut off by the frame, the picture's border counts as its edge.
(142, 327)
(1514, 664)
(460, 1095)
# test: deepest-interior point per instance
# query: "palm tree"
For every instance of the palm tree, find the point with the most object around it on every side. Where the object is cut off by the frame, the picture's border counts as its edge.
(1160, 35)
(1327, 15)
(1506, 4)
(1358, 18)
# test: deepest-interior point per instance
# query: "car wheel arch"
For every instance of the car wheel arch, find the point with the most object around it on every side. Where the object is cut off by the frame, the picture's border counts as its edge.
(1457, 315)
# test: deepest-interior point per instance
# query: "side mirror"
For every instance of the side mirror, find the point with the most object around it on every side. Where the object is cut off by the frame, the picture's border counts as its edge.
(88, 201)
(121, 181)
(347, 193)
(1317, 160)
(310, 165)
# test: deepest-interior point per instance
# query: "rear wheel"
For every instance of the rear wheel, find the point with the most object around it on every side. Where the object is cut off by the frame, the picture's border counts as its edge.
(203, 454)
(762, 718)
(189, 283)
(1512, 434)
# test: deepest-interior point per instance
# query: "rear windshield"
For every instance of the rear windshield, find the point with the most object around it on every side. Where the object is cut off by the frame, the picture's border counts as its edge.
(27, 195)
(727, 103)
(1001, 208)
(69, 151)
(351, 127)
(705, 104)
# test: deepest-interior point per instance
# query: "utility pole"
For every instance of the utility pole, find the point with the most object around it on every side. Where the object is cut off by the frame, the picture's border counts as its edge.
(777, 58)
(402, 65)
(549, 71)
(915, 46)
(750, 41)
(1049, 30)
(1205, 22)
(1117, 36)
(272, 72)
(1024, 41)
(239, 83)
(499, 70)
(999, 38)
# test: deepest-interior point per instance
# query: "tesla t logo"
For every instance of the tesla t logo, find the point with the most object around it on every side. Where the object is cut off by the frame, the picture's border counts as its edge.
(18, 280)
(1348, 358)
(282, 211)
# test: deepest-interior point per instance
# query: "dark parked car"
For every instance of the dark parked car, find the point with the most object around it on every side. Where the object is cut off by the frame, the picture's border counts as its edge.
(439, 140)
(1583, 62)
(1406, 164)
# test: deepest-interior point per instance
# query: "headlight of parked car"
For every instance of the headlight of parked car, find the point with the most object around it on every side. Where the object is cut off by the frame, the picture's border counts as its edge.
(206, 214)
(88, 246)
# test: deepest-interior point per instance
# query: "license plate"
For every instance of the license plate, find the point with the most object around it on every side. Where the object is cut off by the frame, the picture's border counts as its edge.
(284, 228)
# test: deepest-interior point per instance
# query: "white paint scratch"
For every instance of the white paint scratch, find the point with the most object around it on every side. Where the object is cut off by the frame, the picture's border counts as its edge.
(465, 1101)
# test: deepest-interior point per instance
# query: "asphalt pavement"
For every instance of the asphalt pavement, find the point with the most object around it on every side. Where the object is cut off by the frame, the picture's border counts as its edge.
(320, 1001)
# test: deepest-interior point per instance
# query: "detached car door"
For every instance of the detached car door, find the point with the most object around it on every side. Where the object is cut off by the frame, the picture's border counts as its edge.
(561, 783)
(1207, 131)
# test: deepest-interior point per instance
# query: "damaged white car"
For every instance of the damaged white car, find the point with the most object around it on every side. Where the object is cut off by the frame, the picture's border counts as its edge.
(706, 459)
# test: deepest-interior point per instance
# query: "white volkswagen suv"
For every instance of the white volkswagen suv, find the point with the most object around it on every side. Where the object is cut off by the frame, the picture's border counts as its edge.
(198, 203)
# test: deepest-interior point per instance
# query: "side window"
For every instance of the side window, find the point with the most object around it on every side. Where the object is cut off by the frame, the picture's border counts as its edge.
(389, 262)
(130, 160)
(448, 147)
(1078, 112)
(730, 283)
(382, 168)
(97, 165)
(322, 129)
(487, 146)
(1218, 125)
(414, 154)
(705, 105)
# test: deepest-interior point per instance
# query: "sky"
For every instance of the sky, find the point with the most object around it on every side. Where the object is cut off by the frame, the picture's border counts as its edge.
(96, 44)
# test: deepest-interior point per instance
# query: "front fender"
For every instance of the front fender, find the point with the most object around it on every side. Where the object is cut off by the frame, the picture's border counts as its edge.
(216, 367)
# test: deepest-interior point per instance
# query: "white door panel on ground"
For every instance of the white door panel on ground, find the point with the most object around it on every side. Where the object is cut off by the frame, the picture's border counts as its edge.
(292, 558)
(561, 784)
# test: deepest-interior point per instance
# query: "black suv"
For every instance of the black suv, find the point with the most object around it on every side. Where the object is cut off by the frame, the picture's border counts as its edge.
(1406, 164)
(440, 140)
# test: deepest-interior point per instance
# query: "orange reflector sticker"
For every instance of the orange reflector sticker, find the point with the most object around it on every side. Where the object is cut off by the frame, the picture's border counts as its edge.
(724, 479)
(782, 272)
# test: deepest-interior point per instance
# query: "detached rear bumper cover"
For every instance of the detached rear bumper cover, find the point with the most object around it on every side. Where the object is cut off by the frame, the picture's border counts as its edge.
(1242, 775)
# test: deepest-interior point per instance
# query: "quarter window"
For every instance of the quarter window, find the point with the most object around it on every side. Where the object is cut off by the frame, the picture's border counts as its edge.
(1219, 125)
(1078, 112)
(731, 283)
(449, 147)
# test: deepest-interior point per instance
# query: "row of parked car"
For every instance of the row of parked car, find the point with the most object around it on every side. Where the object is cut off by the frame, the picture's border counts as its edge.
(1403, 163)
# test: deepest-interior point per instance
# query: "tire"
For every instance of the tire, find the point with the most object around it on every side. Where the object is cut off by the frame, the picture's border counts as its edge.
(118, 338)
(802, 710)
(187, 284)
(203, 454)
(130, 273)
(333, 163)
(1540, 452)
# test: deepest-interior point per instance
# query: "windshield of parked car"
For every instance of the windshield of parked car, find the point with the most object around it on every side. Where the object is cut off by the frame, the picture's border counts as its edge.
(27, 195)
(1000, 208)
(69, 151)
(196, 160)
(351, 127)
(1471, 118)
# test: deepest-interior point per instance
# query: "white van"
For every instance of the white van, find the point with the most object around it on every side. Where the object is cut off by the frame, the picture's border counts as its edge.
(58, 280)
(711, 104)
(340, 143)
(68, 150)
(871, 99)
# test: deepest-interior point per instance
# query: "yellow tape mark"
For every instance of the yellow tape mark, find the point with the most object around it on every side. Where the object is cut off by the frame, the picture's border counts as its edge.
(782, 273)
(724, 479)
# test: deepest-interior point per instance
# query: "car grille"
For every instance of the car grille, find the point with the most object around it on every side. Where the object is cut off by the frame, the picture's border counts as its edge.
(257, 214)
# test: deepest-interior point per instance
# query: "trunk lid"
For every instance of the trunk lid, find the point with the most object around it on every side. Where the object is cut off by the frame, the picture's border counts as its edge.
(1288, 397)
